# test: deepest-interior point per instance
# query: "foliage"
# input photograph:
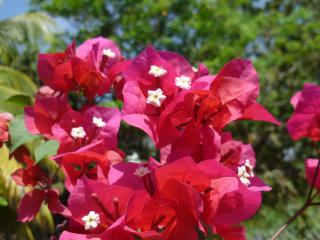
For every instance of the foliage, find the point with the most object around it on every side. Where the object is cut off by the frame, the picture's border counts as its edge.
(20, 39)
(19, 134)
(16, 90)
(24, 31)
(46, 149)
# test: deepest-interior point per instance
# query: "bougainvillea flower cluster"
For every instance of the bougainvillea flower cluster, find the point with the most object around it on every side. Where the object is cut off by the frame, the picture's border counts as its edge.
(305, 123)
(203, 183)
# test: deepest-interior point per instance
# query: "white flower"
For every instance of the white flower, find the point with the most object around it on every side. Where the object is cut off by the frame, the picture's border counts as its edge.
(183, 82)
(245, 172)
(194, 69)
(91, 220)
(141, 171)
(98, 122)
(78, 132)
(108, 53)
(157, 71)
(155, 97)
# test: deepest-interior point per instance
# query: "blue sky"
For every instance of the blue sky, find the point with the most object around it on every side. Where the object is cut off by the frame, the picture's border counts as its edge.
(10, 8)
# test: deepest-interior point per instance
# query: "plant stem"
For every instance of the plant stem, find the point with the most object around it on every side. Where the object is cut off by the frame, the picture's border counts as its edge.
(308, 201)
(314, 177)
(289, 221)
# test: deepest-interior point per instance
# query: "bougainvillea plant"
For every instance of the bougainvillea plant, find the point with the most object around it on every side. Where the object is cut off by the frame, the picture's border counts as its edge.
(305, 123)
(202, 184)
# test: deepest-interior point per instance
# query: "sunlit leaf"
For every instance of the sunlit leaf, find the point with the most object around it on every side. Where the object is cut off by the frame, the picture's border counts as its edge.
(19, 134)
(3, 201)
(46, 149)
(16, 81)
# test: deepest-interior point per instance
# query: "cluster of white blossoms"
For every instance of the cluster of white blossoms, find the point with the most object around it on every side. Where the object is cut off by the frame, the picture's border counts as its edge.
(157, 71)
(141, 171)
(108, 53)
(78, 132)
(91, 221)
(98, 122)
(245, 172)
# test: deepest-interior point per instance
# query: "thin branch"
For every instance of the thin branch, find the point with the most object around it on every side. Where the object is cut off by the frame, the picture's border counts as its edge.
(308, 201)
(315, 174)
(314, 204)
(289, 221)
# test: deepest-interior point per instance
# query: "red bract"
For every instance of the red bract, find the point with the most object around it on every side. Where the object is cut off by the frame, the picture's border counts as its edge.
(232, 96)
(30, 175)
(235, 153)
(202, 113)
(241, 204)
(240, 158)
(305, 121)
(154, 179)
(83, 163)
(95, 124)
(5, 118)
(172, 213)
(135, 175)
(211, 187)
(229, 232)
(55, 70)
(98, 210)
(117, 78)
(101, 52)
(310, 170)
(153, 80)
(30, 204)
(82, 69)
(202, 143)
(46, 111)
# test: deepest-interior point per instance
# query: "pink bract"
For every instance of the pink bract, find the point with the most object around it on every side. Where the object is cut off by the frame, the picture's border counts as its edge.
(310, 170)
(304, 123)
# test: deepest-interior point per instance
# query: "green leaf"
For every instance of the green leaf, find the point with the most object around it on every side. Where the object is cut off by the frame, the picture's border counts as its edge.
(3, 201)
(113, 103)
(46, 149)
(11, 107)
(15, 104)
(7, 92)
(17, 81)
(19, 134)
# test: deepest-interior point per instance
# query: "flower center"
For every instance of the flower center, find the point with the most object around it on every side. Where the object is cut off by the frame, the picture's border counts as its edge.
(155, 97)
(245, 172)
(98, 122)
(183, 82)
(142, 171)
(108, 53)
(91, 220)
(78, 132)
(157, 71)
